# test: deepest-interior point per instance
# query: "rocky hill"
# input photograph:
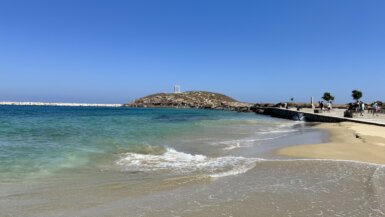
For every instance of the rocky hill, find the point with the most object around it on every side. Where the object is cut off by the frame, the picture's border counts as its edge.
(191, 99)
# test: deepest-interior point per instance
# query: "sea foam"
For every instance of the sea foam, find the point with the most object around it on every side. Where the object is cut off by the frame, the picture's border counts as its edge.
(184, 163)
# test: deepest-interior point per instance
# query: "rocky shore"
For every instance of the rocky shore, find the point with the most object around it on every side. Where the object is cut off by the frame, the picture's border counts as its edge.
(191, 99)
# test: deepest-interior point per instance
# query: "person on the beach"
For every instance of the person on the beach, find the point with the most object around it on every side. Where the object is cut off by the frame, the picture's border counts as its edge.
(351, 107)
(329, 106)
(285, 105)
(357, 106)
(321, 105)
(362, 108)
(375, 108)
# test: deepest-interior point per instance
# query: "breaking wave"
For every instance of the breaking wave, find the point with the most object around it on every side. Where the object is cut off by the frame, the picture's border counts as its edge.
(260, 136)
(183, 163)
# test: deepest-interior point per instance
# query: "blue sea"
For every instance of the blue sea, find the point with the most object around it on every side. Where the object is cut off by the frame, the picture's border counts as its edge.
(96, 161)
(37, 140)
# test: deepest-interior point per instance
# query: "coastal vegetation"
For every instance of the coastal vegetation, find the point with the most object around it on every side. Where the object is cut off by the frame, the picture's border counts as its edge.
(328, 97)
(356, 94)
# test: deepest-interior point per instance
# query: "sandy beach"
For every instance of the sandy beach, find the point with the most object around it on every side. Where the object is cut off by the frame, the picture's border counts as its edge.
(348, 141)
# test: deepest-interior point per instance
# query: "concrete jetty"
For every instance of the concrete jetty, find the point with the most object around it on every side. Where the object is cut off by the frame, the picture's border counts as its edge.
(310, 117)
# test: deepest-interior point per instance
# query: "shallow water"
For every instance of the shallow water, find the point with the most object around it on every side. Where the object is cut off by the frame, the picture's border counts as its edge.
(39, 141)
(82, 161)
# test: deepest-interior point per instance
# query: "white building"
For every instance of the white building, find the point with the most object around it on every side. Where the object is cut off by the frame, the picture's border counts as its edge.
(177, 89)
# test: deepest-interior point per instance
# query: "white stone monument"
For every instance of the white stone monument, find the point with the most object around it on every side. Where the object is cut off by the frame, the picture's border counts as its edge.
(312, 103)
(177, 89)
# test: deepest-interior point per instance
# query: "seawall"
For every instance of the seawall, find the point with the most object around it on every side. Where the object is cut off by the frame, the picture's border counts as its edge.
(310, 117)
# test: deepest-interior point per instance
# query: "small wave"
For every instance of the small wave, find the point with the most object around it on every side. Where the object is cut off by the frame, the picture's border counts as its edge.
(234, 146)
(183, 163)
(226, 122)
(242, 143)
(144, 149)
(245, 142)
(275, 131)
(282, 128)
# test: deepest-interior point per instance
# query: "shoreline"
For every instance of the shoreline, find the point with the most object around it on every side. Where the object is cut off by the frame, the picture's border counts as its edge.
(91, 182)
(347, 141)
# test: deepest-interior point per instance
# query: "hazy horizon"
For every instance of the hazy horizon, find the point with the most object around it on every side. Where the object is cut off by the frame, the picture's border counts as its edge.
(254, 51)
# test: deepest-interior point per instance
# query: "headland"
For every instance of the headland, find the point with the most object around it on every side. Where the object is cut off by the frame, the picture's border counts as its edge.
(191, 99)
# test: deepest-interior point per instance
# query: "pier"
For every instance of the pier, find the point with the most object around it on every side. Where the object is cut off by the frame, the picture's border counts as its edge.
(307, 115)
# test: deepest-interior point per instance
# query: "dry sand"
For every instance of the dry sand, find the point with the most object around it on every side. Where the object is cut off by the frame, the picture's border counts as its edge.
(348, 141)
(378, 118)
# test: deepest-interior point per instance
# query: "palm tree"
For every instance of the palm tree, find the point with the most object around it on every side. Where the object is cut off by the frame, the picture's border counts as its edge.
(328, 97)
(356, 94)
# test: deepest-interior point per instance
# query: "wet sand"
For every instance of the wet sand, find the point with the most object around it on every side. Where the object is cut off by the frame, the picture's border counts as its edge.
(348, 141)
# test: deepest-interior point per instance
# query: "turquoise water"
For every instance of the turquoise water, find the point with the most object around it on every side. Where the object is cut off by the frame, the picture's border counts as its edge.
(85, 161)
(36, 140)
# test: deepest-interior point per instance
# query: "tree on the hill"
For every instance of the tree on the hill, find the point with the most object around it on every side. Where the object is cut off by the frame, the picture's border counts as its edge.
(328, 97)
(357, 95)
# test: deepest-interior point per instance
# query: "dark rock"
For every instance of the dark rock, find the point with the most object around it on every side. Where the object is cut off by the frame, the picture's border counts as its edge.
(348, 114)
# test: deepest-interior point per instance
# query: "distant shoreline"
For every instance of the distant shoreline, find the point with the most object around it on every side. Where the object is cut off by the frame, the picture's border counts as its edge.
(60, 104)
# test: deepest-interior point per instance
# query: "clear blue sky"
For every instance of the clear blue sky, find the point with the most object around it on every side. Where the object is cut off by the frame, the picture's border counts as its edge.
(113, 51)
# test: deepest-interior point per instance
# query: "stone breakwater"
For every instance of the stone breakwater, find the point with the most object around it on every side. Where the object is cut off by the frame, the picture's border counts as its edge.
(59, 104)
(297, 115)
(309, 117)
(191, 99)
